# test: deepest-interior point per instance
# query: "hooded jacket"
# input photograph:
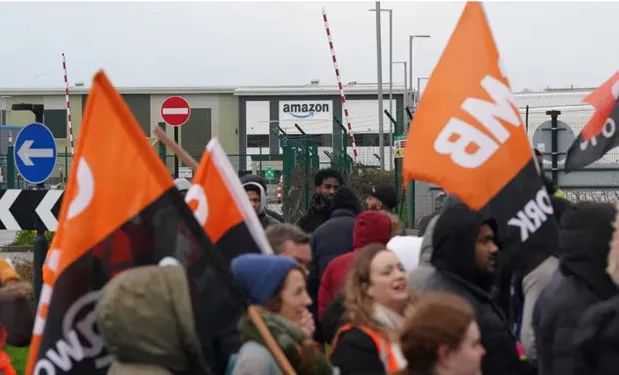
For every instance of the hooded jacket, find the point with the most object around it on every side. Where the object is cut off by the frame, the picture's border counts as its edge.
(597, 339)
(318, 212)
(370, 227)
(332, 238)
(265, 219)
(150, 305)
(584, 237)
(453, 258)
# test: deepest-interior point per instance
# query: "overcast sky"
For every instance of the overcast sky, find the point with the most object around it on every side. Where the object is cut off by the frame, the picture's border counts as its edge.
(543, 44)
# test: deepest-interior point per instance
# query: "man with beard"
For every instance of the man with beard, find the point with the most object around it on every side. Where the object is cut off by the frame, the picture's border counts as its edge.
(326, 183)
(465, 260)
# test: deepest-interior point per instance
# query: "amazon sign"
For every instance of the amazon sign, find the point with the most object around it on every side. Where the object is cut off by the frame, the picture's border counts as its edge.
(313, 116)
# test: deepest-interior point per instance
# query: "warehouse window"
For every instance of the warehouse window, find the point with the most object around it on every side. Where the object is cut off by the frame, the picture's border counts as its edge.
(258, 140)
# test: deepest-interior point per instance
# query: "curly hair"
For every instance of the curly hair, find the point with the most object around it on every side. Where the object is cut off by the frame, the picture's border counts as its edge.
(357, 301)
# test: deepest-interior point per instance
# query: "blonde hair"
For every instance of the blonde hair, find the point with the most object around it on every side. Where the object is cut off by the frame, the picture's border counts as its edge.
(357, 301)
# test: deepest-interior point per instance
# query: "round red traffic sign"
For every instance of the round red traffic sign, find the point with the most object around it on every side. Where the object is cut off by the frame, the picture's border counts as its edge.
(175, 111)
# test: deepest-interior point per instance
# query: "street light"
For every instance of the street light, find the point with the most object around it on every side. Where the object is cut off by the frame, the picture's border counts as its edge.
(379, 80)
(419, 79)
(390, 11)
(410, 59)
(390, 78)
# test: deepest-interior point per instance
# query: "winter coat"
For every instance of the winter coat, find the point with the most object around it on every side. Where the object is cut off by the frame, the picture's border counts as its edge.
(370, 227)
(454, 238)
(532, 286)
(597, 339)
(419, 276)
(365, 349)
(150, 305)
(254, 358)
(356, 354)
(581, 281)
(333, 238)
(267, 220)
(318, 213)
(16, 306)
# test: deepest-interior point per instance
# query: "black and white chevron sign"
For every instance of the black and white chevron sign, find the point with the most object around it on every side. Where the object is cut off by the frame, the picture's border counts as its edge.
(26, 209)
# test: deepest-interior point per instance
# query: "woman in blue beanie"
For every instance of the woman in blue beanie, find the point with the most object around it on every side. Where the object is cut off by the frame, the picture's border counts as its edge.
(277, 284)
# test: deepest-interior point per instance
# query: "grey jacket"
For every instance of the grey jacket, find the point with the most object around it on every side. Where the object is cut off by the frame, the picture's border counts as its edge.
(532, 286)
(253, 359)
(418, 278)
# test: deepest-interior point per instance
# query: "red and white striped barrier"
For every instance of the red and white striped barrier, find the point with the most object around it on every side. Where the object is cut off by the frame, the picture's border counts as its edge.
(67, 105)
(339, 84)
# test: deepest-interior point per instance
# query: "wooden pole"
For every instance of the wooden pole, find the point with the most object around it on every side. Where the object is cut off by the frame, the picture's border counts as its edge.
(254, 314)
(176, 148)
(270, 342)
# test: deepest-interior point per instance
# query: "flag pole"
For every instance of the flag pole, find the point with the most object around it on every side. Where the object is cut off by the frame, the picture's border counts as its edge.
(176, 148)
(270, 342)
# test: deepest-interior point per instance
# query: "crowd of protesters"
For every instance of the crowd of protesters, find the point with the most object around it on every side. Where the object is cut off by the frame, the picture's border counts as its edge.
(348, 292)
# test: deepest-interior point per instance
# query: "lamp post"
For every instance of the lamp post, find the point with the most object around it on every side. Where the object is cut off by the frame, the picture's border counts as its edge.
(410, 59)
(379, 80)
(390, 74)
(419, 79)
(405, 99)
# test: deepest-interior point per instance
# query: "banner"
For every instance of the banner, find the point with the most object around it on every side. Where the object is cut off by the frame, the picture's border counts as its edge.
(221, 206)
(467, 135)
(120, 210)
(600, 134)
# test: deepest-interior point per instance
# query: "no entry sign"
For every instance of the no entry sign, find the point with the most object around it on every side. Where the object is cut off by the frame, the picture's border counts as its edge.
(175, 111)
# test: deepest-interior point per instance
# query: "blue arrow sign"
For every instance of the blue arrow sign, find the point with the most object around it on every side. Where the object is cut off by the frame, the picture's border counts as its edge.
(35, 153)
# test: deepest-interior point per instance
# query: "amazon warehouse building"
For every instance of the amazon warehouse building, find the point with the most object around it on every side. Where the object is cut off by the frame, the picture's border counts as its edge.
(249, 122)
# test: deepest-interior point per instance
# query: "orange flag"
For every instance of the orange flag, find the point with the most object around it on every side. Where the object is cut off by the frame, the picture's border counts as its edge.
(120, 210)
(221, 206)
(467, 135)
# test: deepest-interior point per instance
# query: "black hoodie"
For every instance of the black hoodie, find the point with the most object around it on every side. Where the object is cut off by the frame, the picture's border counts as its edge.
(584, 237)
(454, 239)
(456, 232)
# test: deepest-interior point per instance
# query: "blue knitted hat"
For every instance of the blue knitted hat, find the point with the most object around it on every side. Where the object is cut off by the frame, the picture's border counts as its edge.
(261, 275)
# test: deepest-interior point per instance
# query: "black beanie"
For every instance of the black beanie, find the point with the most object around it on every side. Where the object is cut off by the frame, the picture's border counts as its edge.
(346, 198)
(386, 194)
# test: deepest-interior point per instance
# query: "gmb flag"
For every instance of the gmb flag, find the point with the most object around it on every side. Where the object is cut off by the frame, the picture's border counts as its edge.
(599, 134)
(120, 210)
(467, 136)
(222, 208)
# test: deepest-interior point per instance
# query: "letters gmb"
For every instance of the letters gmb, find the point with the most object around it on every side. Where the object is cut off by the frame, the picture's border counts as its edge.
(457, 136)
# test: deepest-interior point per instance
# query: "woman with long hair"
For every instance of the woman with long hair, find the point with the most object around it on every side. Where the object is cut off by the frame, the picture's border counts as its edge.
(441, 337)
(377, 299)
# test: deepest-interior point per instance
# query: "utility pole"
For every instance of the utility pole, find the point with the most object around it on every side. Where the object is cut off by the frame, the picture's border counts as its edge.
(379, 73)
(390, 11)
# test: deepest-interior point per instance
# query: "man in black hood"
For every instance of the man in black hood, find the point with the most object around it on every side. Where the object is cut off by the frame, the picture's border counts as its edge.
(326, 183)
(584, 236)
(465, 259)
